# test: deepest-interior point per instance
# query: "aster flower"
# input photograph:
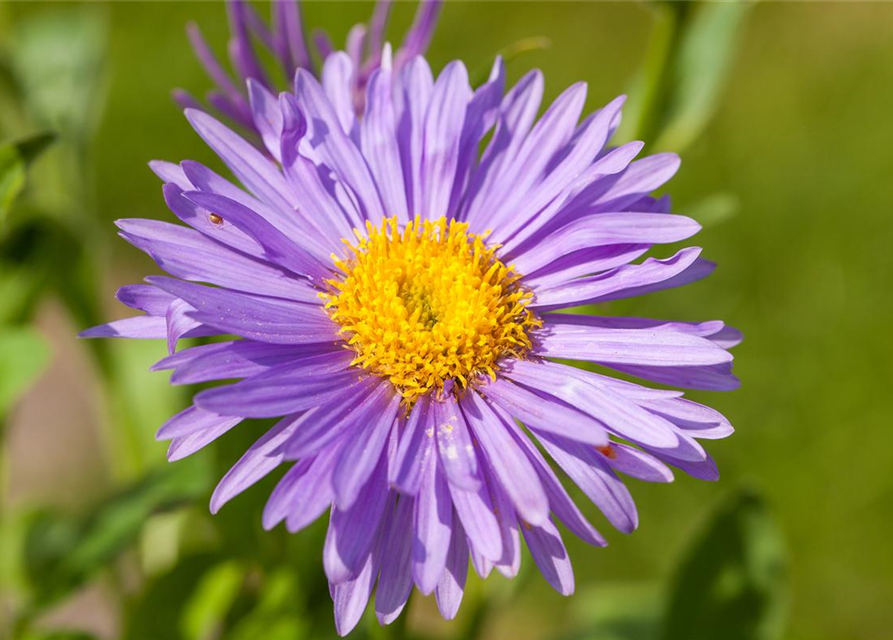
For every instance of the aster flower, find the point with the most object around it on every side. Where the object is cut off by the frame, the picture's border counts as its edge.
(285, 41)
(393, 296)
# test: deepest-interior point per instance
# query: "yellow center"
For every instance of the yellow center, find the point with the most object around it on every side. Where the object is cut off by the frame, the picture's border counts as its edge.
(429, 304)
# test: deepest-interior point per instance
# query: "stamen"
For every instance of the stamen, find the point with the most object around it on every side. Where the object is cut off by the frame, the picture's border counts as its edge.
(429, 307)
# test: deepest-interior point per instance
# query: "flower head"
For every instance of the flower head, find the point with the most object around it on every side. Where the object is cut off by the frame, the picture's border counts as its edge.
(286, 42)
(393, 295)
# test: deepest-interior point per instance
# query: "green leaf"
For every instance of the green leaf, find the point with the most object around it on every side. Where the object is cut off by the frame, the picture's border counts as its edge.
(714, 209)
(14, 160)
(705, 54)
(23, 356)
(206, 610)
(279, 613)
(62, 552)
(625, 611)
(59, 60)
(157, 612)
(733, 581)
(675, 92)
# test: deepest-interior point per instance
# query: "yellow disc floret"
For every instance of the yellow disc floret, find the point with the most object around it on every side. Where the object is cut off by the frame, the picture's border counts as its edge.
(428, 304)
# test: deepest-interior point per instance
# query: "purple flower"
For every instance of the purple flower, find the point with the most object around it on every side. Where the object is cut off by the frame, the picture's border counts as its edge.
(392, 295)
(285, 41)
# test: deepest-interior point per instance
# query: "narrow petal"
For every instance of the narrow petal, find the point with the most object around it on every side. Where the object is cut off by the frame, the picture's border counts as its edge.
(509, 464)
(352, 532)
(603, 229)
(547, 414)
(638, 347)
(627, 281)
(442, 132)
(192, 420)
(395, 581)
(416, 444)
(363, 449)
(433, 527)
(550, 556)
(620, 415)
(351, 596)
(451, 587)
(594, 476)
(282, 390)
(260, 459)
(263, 319)
(454, 444)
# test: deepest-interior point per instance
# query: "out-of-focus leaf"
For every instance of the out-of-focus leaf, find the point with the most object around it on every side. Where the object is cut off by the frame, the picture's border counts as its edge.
(23, 355)
(57, 634)
(14, 160)
(732, 582)
(206, 609)
(279, 613)
(710, 39)
(714, 209)
(675, 92)
(617, 612)
(62, 552)
(58, 59)
(157, 612)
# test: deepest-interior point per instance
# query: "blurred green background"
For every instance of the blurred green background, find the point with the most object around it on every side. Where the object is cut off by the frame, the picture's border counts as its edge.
(782, 114)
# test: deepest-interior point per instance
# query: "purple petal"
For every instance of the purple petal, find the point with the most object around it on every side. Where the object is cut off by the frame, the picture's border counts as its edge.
(337, 75)
(454, 444)
(638, 347)
(282, 390)
(395, 581)
(267, 116)
(142, 327)
(303, 494)
(252, 169)
(146, 298)
(236, 359)
(546, 414)
(263, 319)
(627, 281)
(416, 444)
(433, 527)
(170, 172)
(334, 148)
(178, 323)
(324, 424)
(378, 140)
(413, 90)
(587, 468)
(451, 587)
(635, 463)
(190, 255)
(352, 596)
(550, 556)
(618, 414)
(363, 449)
(352, 531)
(260, 459)
(276, 246)
(192, 420)
(184, 446)
(510, 466)
(602, 229)
(442, 131)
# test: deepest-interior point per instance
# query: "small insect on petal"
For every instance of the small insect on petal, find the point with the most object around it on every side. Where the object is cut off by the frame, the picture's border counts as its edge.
(213, 218)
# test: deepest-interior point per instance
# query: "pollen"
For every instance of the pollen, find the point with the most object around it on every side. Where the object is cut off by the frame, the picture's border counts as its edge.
(427, 304)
